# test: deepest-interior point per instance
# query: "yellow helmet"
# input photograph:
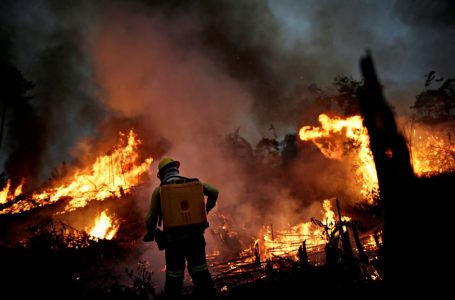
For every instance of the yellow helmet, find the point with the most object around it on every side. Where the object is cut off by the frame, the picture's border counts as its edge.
(167, 162)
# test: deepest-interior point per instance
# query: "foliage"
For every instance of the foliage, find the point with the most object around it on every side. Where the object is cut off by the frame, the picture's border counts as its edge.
(142, 279)
(59, 262)
(347, 90)
(436, 105)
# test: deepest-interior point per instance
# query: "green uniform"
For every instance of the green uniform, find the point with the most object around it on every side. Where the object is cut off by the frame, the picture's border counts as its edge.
(184, 243)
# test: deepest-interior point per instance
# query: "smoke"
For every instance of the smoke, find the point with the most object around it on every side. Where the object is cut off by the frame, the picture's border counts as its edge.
(150, 70)
(271, 50)
(407, 39)
(47, 42)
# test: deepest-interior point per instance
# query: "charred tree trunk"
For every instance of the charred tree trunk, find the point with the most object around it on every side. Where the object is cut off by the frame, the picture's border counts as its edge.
(404, 201)
(332, 255)
(303, 257)
(347, 249)
(394, 172)
(257, 256)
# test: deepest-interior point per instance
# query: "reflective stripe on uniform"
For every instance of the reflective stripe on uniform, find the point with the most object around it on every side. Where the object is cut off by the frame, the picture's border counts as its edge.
(174, 273)
(199, 268)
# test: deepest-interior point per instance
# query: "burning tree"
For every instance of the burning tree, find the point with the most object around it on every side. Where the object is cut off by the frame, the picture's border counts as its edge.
(111, 175)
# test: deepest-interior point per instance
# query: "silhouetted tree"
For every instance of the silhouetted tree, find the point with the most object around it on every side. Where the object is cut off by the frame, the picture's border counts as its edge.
(436, 105)
(22, 127)
(347, 99)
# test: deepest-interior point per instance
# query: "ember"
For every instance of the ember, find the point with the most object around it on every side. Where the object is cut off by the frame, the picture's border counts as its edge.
(431, 152)
(285, 242)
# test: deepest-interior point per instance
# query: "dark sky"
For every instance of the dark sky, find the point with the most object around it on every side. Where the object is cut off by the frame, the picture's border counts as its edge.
(251, 62)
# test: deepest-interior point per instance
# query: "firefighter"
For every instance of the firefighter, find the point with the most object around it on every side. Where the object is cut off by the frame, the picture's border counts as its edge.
(179, 203)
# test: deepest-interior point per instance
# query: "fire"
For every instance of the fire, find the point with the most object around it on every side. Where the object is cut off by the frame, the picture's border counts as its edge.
(18, 190)
(104, 228)
(5, 194)
(431, 153)
(112, 175)
(330, 139)
(370, 243)
(285, 242)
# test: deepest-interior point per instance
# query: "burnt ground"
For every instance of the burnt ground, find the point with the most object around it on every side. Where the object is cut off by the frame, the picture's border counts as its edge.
(42, 266)
(41, 273)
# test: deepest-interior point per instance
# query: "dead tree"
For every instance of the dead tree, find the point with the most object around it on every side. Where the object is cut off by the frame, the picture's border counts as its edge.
(406, 200)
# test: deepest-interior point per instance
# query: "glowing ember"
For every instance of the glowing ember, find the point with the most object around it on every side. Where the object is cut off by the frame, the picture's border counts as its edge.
(331, 138)
(431, 153)
(111, 175)
(285, 242)
(104, 227)
(370, 243)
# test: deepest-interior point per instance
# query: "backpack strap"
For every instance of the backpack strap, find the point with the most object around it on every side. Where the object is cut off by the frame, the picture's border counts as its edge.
(180, 180)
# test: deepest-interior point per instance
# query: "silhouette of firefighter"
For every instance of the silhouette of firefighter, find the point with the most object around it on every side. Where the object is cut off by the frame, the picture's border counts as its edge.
(179, 204)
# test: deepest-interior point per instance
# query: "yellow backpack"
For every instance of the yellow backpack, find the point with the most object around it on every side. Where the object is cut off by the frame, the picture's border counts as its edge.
(182, 203)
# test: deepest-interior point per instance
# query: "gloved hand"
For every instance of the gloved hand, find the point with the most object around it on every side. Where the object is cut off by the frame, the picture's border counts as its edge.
(148, 237)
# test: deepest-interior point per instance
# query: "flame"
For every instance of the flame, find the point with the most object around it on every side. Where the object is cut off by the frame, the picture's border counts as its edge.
(430, 153)
(370, 243)
(18, 190)
(285, 242)
(104, 227)
(112, 175)
(327, 139)
(5, 194)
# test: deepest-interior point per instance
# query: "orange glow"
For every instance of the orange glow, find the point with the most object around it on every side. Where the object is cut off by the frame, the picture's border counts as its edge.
(18, 190)
(331, 139)
(285, 242)
(5, 194)
(431, 153)
(112, 175)
(370, 243)
(104, 228)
